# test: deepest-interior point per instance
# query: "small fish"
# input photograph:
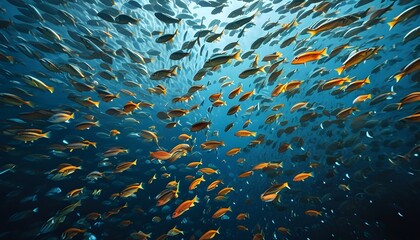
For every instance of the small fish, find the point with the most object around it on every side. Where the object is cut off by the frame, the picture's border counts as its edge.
(184, 206)
(309, 56)
(302, 176)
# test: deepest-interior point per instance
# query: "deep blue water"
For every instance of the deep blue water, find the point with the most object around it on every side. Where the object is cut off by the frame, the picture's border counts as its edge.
(382, 202)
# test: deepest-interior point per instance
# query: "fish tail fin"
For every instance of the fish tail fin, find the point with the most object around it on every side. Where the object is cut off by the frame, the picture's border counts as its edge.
(117, 95)
(399, 106)
(324, 52)
(256, 13)
(176, 32)
(173, 72)
(30, 104)
(340, 70)
(135, 162)
(179, 122)
(399, 76)
(392, 23)
(367, 79)
(347, 79)
(195, 200)
(237, 56)
(312, 32)
(254, 134)
(10, 59)
(96, 104)
(97, 123)
(93, 144)
(46, 135)
(312, 174)
(262, 69)
(72, 115)
(50, 89)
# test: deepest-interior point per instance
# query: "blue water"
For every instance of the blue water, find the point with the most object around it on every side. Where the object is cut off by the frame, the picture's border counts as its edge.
(382, 202)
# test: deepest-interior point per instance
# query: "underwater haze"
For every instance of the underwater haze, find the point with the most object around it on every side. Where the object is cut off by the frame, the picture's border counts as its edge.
(200, 119)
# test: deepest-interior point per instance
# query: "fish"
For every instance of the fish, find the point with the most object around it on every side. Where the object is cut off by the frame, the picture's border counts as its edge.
(220, 212)
(167, 37)
(405, 15)
(167, 18)
(11, 99)
(358, 57)
(302, 176)
(309, 56)
(185, 206)
(252, 71)
(210, 234)
(130, 107)
(219, 60)
(245, 133)
(409, 68)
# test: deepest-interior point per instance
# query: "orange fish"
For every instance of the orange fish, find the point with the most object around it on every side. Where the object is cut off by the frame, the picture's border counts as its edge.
(218, 103)
(195, 164)
(302, 176)
(196, 182)
(345, 112)
(362, 98)
(124, 166)
(183, 207)
(335, 82)
(246, 174)
(309, 56)
(214, 185)
(242, 216)
(114, 132)
(357, 84)
(222, 211)
(209, 171)
(75, 192)
(160, 155)
(284, 230)
(313, 213)
(184, 137)
(344, 187)
(130, 190)
(210, 234)
(245, 133)
(211, 145)
(233, 151)
(131, 106)
(242, 228)
(235, 92)
(246, 95)
(225, 191)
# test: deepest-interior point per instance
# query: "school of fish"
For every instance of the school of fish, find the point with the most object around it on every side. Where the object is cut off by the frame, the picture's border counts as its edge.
(202, 119)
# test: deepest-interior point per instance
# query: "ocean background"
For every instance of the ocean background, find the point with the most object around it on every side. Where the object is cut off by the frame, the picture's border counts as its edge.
(384, 195)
